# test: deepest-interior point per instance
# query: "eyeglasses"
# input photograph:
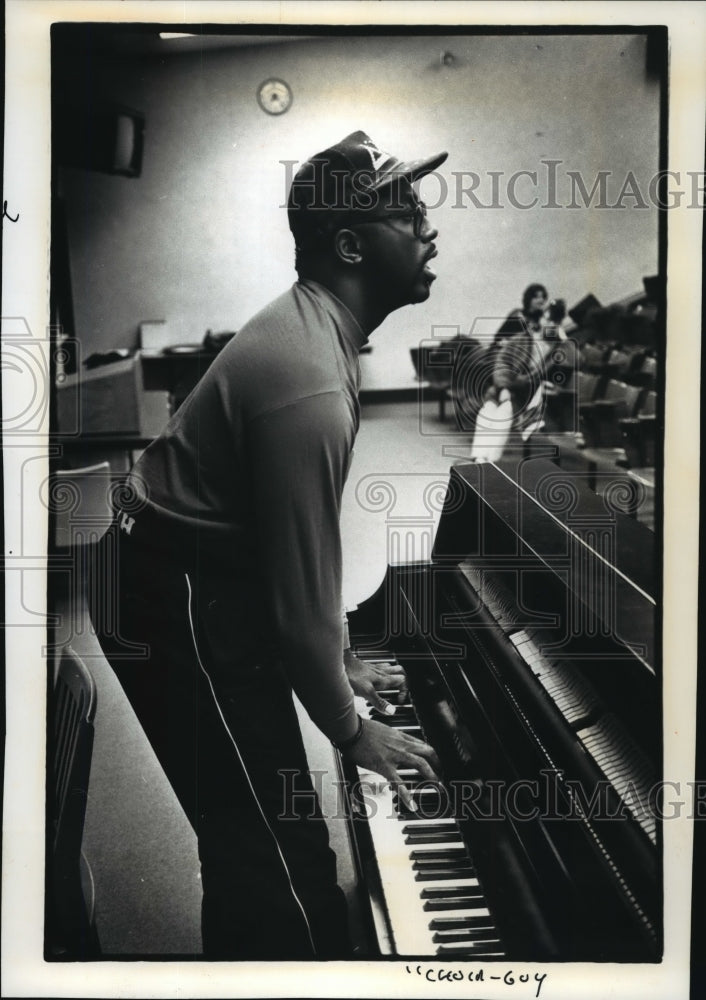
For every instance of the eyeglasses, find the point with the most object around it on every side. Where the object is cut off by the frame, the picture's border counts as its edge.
(416, 214)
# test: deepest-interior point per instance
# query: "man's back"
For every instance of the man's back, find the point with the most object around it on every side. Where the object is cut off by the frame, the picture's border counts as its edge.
(296, 360)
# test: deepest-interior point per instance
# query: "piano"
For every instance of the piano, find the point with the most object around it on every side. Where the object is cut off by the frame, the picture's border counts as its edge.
(530, 648)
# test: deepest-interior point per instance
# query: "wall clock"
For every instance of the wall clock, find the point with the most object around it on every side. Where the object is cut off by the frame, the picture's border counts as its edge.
(274, 96)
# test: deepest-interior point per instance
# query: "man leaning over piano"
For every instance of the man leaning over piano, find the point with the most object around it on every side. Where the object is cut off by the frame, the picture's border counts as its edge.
(227, 581)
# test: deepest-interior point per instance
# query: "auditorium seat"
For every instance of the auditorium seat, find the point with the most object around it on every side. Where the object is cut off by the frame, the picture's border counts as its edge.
(564, 402)
(594, 357)
(646, 375)
(618, 438)
(639, 434)
(471, 378)
(433, 365)
(599, 418)
(638, 353)
(446, 370)
(588, 386)
(618, 362)
(604, 421)
(648, 407)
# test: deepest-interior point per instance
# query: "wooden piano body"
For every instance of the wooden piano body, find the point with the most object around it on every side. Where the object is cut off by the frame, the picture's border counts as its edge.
(530, 645)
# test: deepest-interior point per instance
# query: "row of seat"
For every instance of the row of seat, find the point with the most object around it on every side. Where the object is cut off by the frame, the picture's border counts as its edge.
(607, 413)
(612, 412)
(634, 364)
(434, 366)
(585, 399)
(596, 424)
(612, 426)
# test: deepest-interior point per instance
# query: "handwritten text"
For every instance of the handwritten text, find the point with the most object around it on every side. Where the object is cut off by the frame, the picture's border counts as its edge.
(510, 978)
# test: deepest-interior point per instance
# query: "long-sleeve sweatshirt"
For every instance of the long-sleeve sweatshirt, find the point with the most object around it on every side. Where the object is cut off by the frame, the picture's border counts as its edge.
(252, 466)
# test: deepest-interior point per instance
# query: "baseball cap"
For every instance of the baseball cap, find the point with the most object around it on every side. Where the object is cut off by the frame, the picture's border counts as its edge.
(350, 177)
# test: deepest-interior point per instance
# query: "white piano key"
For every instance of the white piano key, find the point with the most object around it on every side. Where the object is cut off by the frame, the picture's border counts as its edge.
(624, 766)
(410, 924)
(409, 921)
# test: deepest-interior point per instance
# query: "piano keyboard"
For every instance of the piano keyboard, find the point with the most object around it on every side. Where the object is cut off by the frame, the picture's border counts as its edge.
(615, 753)
(573, 696)
(624, 766)
(494, 596)
(434, 901)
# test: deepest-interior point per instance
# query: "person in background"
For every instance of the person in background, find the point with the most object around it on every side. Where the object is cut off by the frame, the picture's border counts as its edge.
(534, 303)
(223, 572)
(522, 357)
(515, 384)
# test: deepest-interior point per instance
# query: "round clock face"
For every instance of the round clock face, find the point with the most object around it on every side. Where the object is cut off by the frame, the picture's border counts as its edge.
(274, 97)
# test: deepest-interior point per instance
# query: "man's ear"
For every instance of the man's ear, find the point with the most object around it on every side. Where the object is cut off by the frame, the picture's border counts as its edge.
(347, 246)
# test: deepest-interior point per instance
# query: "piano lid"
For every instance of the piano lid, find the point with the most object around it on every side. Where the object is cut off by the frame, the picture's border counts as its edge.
(534, 517)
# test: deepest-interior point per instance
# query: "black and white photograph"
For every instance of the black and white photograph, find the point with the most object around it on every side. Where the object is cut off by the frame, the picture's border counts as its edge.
(351, 450)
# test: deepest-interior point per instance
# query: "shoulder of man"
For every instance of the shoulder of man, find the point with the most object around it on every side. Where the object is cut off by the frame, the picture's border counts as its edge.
(280, 356)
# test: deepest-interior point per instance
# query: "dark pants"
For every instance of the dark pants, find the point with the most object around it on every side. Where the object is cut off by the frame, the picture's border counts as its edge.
(218, 711)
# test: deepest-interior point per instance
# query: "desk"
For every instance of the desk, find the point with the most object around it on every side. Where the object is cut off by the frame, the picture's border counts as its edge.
(175, 373)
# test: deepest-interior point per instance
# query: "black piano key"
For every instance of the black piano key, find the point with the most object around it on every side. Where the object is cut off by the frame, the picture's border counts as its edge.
(428, 788)
(422, 827)
(438, 837)
(469, 934)
(422, 787)
(422, 874)
(455, 935)
(441, 864)
(440, 810)
(453, 923)
(460, 862)
(460, 950)
(465, 903)
(440, 854)
(452, 892)
(449, 937)
(400, 720)
(428, 808)
(429, 805)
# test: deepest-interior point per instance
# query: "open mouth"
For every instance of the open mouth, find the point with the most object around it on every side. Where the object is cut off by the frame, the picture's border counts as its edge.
(427, 270)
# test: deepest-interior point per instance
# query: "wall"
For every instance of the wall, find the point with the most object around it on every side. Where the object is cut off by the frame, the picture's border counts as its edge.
(201, 238)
